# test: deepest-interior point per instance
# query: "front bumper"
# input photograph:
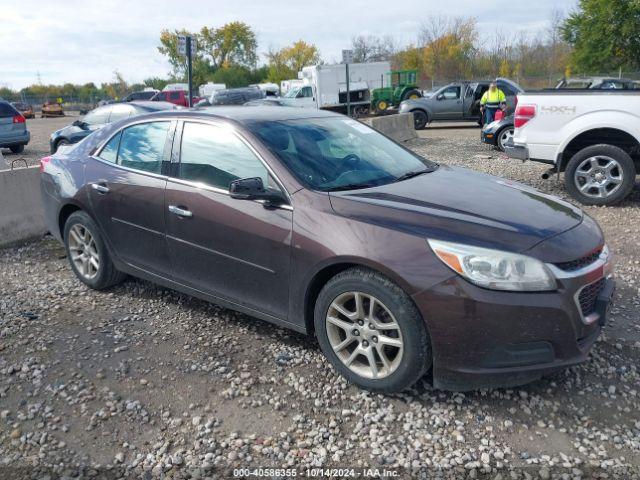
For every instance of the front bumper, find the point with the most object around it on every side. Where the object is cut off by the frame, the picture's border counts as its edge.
(485, 338)
(519, 152)
(488, 135)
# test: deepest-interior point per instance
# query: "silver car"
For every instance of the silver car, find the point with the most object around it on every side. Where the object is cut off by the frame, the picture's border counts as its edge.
(457, 101)
(13, 128)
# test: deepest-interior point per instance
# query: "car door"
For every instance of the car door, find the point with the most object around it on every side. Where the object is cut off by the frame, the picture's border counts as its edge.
(126, 187)
(235, 249)
(448, 104)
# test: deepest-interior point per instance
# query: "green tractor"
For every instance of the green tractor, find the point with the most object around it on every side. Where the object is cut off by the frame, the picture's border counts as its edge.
(402, 86)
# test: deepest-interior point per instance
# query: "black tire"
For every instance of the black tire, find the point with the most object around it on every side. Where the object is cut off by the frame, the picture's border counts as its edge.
(416, 357)
(381, 106)
(62, 141)
(625, 167)
(412, 93)
(420, 119)
(17, 148)
(107, 275)
(498, 136)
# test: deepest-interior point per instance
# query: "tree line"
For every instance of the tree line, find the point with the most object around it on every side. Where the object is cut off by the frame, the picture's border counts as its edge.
(599, 36)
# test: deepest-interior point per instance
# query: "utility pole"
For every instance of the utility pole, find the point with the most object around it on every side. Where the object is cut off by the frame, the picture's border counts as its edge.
(347, 58)
(189, 70)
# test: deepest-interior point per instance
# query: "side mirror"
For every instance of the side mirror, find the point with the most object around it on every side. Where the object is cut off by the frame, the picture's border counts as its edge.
(253, 189)
(440, 97)
(79, 123)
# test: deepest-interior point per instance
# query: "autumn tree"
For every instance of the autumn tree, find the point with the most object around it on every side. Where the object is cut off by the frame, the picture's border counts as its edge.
(285, 63)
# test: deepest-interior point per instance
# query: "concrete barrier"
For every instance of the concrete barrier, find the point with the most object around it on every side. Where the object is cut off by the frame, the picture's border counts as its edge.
(21, 215)
(399, 127)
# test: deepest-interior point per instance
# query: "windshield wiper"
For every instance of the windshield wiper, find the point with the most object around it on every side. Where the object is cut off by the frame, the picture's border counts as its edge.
(415, 173)
(350, 186)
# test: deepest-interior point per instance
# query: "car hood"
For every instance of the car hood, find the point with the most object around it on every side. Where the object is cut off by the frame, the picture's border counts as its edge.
(463, 206)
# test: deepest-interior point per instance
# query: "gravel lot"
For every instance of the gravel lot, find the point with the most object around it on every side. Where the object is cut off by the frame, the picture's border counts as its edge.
(142, 380)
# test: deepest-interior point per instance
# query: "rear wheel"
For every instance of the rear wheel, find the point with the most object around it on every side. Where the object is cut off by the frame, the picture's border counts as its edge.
(87, 253)
(420, 119)
(503, 136)
(371, 332)
(17, 148)
(600, 175)
(412, 95)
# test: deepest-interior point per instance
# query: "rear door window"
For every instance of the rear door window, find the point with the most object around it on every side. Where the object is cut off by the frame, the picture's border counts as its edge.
(142, 146)
(215, 156)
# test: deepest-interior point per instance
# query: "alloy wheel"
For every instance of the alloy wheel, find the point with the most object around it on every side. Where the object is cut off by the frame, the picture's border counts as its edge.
(364, 335)
(505, 135)
(84, 252)
(599, 176)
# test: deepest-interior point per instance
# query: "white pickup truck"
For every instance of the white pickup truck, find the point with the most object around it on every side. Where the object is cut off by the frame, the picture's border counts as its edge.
(593, 136)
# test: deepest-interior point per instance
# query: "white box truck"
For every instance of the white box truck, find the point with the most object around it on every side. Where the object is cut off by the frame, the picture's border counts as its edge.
(325, 86)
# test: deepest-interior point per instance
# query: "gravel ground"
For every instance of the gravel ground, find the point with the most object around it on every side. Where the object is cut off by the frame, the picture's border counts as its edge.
(141, 381)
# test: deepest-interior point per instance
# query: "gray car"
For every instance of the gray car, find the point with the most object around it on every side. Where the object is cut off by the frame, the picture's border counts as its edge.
(13, 128)
(457, 101)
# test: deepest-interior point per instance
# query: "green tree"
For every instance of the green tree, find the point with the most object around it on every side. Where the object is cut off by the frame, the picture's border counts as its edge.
(605, 35)
(232, 44)
(285, 63)
(169, 48)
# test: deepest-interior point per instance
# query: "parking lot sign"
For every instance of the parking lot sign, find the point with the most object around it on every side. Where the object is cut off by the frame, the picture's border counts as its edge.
(347, 56)
(182, 45)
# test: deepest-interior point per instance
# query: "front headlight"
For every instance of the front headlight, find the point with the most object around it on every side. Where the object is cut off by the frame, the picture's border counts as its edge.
(495, 269)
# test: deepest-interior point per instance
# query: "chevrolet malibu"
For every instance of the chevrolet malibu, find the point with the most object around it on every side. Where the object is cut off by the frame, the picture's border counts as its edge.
(314, 221)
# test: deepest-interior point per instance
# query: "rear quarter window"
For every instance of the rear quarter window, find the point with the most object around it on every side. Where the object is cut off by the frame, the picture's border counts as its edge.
(6, 110)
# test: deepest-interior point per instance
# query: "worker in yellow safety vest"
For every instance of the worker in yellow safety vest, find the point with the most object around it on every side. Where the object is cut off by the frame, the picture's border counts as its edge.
(492, 101)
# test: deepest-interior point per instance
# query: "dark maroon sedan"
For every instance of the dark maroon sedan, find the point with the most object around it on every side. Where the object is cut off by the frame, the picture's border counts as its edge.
(316, 222)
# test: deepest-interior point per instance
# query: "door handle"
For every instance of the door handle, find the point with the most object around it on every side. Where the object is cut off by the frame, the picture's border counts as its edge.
(100, 188)
(181, 212)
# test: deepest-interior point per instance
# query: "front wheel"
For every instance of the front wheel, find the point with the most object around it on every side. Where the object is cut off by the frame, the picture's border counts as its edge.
(87, 253)
(504, 136)
(371, 332)
(17, 148)
(420, 119)
(600, 175)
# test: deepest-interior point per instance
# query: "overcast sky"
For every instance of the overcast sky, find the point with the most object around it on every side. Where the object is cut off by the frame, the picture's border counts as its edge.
(85, 41)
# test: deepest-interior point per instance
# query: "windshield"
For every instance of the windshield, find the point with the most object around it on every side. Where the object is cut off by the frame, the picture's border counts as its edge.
(338, 153)
(292, 93)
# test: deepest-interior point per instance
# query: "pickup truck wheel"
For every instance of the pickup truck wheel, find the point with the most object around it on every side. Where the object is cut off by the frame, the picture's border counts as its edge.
(17, 148)
(371, 331)
(600, 175)
(420, 119)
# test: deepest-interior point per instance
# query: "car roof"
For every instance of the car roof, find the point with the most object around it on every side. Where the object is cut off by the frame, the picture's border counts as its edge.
(153, 106)
(248, 113)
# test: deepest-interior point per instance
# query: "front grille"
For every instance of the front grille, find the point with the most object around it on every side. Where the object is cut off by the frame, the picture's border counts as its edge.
(574, 265)
(589, 295)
